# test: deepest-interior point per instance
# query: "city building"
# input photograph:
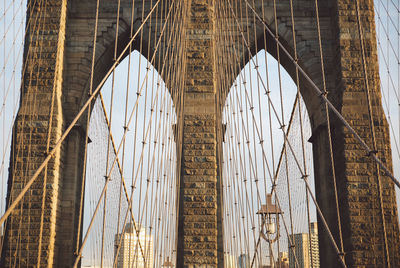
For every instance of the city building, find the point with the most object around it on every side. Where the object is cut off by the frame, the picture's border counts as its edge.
(314, 245)
(306, 258)
(129, 254)
(283, 260)
(167, 263)
(301, 252)
(243, 261)
(230, 261)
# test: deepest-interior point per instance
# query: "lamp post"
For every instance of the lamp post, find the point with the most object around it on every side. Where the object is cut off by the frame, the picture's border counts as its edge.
(270, 224)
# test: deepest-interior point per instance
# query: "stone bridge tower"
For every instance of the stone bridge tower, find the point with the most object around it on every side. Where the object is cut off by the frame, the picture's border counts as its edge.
(63, 45)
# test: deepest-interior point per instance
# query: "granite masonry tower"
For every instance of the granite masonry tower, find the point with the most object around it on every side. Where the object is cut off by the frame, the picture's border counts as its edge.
(65, 38)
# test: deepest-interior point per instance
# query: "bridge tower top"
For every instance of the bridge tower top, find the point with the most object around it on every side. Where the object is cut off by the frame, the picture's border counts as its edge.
(217, 40)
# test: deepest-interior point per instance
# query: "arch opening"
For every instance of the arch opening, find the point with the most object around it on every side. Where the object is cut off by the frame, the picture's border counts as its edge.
(255, 159)
(147, 161)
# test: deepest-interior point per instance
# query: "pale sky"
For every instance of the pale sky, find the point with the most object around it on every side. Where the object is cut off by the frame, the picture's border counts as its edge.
(11, 58)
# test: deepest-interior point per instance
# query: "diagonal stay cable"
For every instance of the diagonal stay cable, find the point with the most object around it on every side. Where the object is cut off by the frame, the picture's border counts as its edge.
(304, 176)
(118, 161)
(275, 115)
(280, 161)
(72, 124)
(274, 110)
(272, 105)
(370, 152)
(79, 254)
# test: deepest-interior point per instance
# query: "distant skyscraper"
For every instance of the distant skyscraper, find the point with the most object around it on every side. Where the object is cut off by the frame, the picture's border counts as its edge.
(314, 245)
(129, 253)
(302, 252)
(283, 260)
(244, 261)
(306, 258)
(230, 261)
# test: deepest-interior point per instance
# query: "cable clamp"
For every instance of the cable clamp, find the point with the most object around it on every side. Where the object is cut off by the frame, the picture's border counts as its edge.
(273, 186)
(256, 67)
(125, 128)
(324, 94)
(282, 126)
(263, 21)
(371, 152)
(305, 176)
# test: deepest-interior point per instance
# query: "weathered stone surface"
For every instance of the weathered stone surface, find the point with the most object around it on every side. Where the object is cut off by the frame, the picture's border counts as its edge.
(63, 48)
(42, 89)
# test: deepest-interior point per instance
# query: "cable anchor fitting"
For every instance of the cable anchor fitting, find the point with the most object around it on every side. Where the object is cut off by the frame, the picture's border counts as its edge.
(324, 94)
(304, 177)
(273, 187)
